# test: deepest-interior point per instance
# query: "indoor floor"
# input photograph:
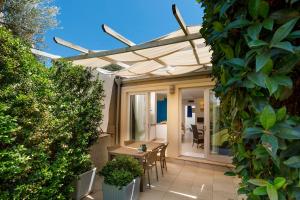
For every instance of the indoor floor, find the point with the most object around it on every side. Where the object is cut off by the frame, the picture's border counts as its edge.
(187, 149)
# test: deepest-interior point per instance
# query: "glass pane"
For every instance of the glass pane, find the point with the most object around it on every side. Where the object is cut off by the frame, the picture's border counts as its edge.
(137, 118)
(218, 134)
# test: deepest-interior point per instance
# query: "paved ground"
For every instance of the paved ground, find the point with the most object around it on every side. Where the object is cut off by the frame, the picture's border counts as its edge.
(186, 181)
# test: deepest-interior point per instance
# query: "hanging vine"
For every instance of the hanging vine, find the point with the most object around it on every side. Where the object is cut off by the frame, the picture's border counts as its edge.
(256, 54)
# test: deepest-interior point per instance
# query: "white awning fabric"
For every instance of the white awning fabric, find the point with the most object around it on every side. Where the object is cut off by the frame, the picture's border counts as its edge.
(172, 59)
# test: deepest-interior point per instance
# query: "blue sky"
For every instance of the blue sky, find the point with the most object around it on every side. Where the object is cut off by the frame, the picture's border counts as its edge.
(138, 20)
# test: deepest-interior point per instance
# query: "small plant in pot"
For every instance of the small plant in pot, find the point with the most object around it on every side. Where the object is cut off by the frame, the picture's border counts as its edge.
(121, 179)
(85, 180)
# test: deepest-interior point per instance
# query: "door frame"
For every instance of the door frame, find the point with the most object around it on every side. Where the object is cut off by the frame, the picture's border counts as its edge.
(148, 106)
(207, 150)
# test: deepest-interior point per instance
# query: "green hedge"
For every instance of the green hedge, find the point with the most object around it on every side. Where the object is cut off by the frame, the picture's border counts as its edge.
(256, 54)
(48, 119)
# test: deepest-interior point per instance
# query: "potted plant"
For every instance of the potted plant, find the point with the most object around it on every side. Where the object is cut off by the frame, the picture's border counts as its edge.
(85, 180)
(121, 179)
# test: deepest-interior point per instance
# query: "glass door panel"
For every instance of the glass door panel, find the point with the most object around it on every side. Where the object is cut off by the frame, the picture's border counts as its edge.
(138, 117)
(218, 134)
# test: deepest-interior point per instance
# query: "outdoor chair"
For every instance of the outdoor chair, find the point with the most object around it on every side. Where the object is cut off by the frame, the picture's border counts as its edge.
(128, 142)
(161, 157)
(198, 136)
(149, 163)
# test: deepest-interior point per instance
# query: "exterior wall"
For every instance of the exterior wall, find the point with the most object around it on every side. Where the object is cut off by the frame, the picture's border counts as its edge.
(174, 105)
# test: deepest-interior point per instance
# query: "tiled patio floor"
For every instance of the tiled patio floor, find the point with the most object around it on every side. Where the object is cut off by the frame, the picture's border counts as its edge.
(186, 181)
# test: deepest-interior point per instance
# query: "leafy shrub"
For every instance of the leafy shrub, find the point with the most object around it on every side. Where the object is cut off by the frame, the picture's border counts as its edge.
(255, 60)
(121, 171)
(48, 120)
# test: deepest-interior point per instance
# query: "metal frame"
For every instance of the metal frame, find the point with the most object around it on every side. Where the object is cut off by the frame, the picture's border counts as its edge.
(131, 46)
(185, 30)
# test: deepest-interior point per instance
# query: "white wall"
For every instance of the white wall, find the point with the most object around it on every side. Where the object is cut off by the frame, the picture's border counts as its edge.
(174, 107)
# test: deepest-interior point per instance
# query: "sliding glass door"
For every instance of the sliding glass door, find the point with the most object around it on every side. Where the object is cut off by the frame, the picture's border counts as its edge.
(217, 136)
(138, 117)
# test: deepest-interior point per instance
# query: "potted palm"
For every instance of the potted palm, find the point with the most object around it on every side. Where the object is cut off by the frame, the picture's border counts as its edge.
(121, 179)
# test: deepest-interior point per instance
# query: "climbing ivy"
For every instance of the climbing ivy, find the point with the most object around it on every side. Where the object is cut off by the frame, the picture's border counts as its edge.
(256, 56)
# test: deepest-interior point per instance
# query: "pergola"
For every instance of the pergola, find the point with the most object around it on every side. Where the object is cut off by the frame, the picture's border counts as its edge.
(180, 52)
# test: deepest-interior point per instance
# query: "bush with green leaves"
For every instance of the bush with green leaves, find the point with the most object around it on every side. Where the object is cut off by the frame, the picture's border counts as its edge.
(121, 171)
(48, 119)
(256, 54)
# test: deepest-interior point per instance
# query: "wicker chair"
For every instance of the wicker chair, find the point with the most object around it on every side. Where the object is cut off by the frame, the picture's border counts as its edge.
(149, 163)
(161, 157)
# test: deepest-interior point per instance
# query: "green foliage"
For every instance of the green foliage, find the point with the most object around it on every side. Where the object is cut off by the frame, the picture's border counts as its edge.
(48, 120)
(256, 54)
(113, 67)
(29, 19)
(121, 171)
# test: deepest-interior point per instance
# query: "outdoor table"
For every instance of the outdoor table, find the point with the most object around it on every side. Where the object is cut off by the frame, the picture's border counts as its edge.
(132, 150)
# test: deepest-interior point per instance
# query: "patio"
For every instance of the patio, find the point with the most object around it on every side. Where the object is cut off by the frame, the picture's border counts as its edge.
(186, 180)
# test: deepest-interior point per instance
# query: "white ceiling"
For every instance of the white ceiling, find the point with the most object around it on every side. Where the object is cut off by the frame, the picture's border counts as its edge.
(192, 93)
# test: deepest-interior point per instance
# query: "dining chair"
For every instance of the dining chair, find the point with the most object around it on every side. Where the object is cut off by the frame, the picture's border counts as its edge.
(149, 163)
(161, 157)
(128, 142)
(198, 136)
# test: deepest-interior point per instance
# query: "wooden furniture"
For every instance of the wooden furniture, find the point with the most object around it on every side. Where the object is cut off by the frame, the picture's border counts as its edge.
(161, 157)
(128, 142)
(132, 150)
(149, 163)
(198, 136)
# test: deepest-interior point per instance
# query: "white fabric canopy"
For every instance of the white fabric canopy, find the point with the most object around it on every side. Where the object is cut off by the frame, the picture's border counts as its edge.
(172, 59)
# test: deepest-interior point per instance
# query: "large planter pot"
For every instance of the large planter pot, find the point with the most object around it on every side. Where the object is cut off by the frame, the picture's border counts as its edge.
(128, 192)
(84, 184)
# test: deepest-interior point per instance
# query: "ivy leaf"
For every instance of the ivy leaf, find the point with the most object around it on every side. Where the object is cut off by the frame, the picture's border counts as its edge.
(284, 45)
(283, 31)
(239, 23)
(258, 182)
(267, 117)
(262, 60)
(272, 85)
(229, 173)
(294, 35)
(238, 62)
(267, 68)
(293, 162)
(268, 24)
(259, 191)
(253, 7)
(283, 80)
(263, 9)
(257, 43)
(288, 133)
(252, 132)
(270, 143)
(257, 78)
(254, 30)
(279, 182)
(227, 50)
(218, 26)
(281, 113)
(272, 192)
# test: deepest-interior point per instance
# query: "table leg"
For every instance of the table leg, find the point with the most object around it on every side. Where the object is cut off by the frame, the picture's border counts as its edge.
(143, 181)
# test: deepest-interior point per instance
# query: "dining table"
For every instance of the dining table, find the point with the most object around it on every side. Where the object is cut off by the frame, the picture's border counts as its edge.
(133, 151)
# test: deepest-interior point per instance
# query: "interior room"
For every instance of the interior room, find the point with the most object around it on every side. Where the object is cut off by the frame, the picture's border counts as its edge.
(158, 116)
(148, 116)
(192, 122)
